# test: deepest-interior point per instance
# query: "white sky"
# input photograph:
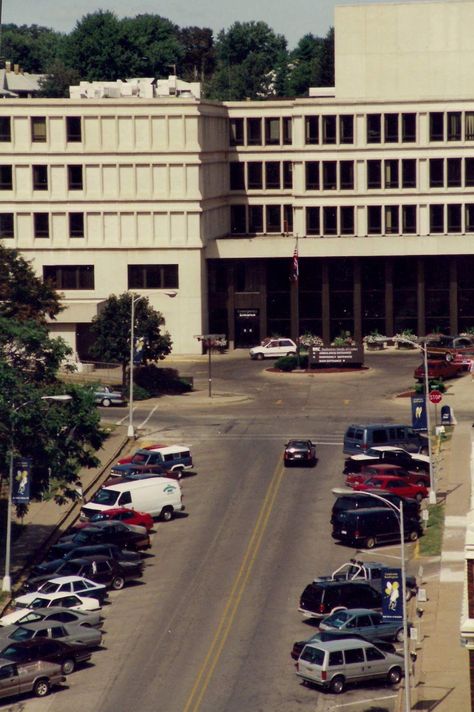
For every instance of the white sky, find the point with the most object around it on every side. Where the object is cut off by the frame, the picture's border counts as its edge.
(291, 18)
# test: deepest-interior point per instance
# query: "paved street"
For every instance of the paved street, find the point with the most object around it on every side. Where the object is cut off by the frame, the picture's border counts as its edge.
(212, 627)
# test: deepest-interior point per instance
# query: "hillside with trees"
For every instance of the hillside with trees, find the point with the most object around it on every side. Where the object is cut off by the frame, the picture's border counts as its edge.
(247, 60)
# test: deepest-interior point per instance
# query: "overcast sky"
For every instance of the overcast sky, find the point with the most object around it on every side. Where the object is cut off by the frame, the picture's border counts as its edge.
(291, 18)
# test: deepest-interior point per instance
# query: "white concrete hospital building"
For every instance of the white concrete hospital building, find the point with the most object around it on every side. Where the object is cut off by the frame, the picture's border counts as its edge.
(198, 204)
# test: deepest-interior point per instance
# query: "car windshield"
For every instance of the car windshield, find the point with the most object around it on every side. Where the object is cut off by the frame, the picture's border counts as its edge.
(138, 459)
(39, 603)
(299, 444)
(70, 569)
(337, 620)
(21, 634)
(105, 496)
(49, 587)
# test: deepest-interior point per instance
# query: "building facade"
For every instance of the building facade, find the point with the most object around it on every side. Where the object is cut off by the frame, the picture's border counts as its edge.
(199, 205)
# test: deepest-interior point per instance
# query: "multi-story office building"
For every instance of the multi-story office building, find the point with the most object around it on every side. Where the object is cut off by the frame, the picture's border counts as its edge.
(203, 201)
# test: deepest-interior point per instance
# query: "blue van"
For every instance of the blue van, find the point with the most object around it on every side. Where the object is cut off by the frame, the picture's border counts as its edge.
(359, 438)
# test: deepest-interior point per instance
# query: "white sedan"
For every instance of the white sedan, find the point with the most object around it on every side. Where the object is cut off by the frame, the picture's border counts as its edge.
(74, 584)
(65, 600)
(273, 348)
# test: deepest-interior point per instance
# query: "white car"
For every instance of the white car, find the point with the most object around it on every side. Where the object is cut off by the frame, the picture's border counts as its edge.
(52, 614)
(74, 584)
(66, 600)
(372, 452)
(273, 348)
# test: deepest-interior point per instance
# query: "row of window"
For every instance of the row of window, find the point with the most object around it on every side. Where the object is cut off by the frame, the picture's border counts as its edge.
(257, 131)
(38, 126)
(451, 172)
(41, 226)
(332, 220)
(255, 175)
(39, 176)
(139, 276)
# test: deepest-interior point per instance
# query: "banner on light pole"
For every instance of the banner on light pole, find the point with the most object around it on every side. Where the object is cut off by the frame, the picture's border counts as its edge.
(392, 595)
(21, 480)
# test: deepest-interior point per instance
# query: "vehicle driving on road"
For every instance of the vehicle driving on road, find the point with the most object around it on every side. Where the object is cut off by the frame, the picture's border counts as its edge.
(299, 452)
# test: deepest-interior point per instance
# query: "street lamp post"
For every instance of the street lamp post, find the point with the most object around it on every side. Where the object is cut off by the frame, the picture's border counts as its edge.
(424, 350)
(399, 514)
(7, 582)
(131, 430)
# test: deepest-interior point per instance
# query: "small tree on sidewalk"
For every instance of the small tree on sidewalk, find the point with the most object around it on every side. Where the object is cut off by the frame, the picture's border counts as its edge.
(111, 329)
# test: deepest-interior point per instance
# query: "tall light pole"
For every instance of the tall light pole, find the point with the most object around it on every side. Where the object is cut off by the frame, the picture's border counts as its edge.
(424, 350)
(7, 582)
(131, 430)
(399, 515)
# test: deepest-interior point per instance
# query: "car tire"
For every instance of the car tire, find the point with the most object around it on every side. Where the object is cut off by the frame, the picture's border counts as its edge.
(179, 472)
(291, 353)
(337, 684)
(399, 635)
(118, 583)
(259, 357)
(413, 535)
(42, 687)
(420, 483)
(394, 676)
(167, 514)
(419, 497)
(370, 542)
(106, 402)
(68, 666)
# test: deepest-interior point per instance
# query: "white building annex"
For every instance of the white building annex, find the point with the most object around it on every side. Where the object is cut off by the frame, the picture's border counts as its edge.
(198, 204)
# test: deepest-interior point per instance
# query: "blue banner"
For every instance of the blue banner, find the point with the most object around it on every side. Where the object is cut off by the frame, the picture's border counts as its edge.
(21, 480)
(392, 595)
(138, 350)
(418, 413)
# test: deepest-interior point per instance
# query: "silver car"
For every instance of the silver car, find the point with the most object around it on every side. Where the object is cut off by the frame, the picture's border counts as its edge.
(37, 677)
(71, 633)
(106, 396)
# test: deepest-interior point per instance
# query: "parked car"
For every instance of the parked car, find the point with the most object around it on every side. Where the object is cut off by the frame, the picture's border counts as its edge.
(390, 455)
(369, 527)
(21, 616)
(329, 635)
(71, 633)
(120, 514)
(359, 438)
(37, 677)
(168, 461)
(319, 599)
(359, 500)
(384, 469)
(67, 655)
(334, 663)
(101, 569)
(371, 571)
(44, 600)
(106, 396)
(107, 549)
(299, 452)
(397, 485)
(439, 370)
(273, 348)
(124, 535)
(74, 584)
(159, 496)
(363, 621)
(154, 446)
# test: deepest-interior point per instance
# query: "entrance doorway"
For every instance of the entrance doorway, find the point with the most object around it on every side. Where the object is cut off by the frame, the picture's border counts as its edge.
(247, 328)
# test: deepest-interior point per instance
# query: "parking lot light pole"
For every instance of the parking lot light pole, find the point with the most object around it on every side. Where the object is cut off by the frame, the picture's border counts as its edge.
(399, 515)
(424, 350)
(131, 430)
(7, 581)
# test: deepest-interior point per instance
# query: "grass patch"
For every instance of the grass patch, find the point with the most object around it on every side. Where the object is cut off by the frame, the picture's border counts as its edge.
(430, 543)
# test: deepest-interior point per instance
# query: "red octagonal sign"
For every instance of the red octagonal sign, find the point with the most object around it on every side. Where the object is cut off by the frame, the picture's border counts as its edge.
(435, 397)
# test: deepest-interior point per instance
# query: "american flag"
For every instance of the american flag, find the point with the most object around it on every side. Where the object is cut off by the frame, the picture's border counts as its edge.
(295, 272)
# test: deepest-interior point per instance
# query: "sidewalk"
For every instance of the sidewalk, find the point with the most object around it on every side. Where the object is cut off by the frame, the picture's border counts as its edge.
(441, 679)
(46, 520)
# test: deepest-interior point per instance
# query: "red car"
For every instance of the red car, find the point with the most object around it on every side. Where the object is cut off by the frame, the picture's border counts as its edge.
(123, 514)
(439, 370)
(394, 485)
(128, 459)
(413, 478)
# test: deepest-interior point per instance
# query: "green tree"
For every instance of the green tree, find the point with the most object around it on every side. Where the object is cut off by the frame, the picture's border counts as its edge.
(23, 295)
(111, 329)
(305, 65)
(55, 84)
(94, 48)
(33, 47)
(249, 57)
(199, 54)
(150, 46)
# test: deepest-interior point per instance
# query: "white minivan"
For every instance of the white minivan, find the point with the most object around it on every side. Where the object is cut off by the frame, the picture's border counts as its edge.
(158, 496)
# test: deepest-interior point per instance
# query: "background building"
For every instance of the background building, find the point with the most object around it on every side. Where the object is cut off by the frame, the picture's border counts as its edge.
(173, 196)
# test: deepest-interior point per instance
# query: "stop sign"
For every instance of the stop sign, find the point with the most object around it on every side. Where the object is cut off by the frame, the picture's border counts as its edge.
(435, 397)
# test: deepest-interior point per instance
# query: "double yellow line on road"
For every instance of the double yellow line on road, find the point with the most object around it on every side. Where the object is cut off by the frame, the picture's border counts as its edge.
(240, 582)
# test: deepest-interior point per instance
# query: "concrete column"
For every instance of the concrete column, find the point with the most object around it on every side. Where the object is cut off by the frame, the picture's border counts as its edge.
(389, 320)
(325, 304)
(231, 306)
(357, 301)
(420, 294)
(263, 300)
(453, 295)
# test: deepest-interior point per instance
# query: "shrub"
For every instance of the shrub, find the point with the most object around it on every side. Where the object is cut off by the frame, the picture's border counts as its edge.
(158, 380)
(139, 393)
(433, 386)
(286, 363)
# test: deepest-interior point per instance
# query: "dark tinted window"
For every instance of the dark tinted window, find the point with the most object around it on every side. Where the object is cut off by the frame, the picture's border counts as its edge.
(356, 655)
(336, 658)
(379, 436)
(374, 654)
(313, 655)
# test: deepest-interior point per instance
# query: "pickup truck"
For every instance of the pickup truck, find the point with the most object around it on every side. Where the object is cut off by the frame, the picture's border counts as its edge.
(370, 571)
(390, 455)
(143, 461)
